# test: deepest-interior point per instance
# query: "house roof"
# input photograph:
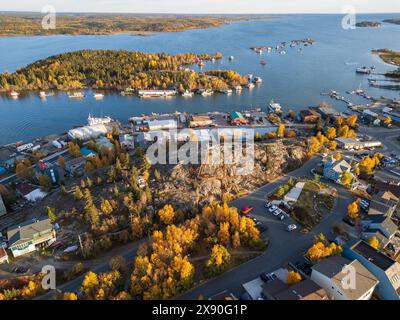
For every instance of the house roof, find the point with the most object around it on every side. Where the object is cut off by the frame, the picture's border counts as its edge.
(386, 222)
(378, 208)
(3, 253)
(24, 232)
(379, 259)
(304, 290)
(236, 115)
(339, 166)
(25, 188)
(332, 268)
(393, 188)
(273, 287)
(3, 209)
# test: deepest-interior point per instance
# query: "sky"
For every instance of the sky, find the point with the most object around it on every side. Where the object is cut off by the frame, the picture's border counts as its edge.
(205, 6)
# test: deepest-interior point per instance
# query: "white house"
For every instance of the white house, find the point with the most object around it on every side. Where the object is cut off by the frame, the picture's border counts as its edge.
(334, 274)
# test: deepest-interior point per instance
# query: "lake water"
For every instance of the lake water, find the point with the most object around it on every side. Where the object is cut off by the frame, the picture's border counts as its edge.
(295, 80)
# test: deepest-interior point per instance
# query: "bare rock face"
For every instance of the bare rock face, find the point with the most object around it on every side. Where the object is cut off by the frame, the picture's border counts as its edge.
(196, 184)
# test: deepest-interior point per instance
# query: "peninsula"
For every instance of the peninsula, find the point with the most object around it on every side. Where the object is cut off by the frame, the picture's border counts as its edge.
(119, 69)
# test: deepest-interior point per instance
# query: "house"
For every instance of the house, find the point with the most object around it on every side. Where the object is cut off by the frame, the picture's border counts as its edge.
(383, 203)
(30, 192)
(350, 144)
(128, 141)
(75, 167)
(237, 118)
(385, 269)
(104, 142)
(384, 229)
(333, 169)
(331, 275)
(200, 121)
(3, 255)
(3, 209)
(305, 290)
(29, 236)
(309, 116)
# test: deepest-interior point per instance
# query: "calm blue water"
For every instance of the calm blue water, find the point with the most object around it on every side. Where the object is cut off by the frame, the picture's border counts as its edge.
(295, 80)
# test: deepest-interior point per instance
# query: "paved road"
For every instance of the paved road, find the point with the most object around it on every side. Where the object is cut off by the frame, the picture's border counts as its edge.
(99, 265)
(284, 246)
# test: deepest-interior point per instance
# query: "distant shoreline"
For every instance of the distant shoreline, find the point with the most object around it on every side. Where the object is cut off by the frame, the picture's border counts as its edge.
(20, 25)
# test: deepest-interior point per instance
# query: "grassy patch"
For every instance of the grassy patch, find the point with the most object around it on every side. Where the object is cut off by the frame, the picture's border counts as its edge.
(311, 203)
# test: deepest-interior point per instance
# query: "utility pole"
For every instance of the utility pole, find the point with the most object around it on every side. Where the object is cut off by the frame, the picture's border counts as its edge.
(80, 243)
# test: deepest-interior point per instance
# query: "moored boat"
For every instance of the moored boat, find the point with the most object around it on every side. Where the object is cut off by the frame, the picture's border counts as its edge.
(98, 96)
(76, 95)
(187, 94)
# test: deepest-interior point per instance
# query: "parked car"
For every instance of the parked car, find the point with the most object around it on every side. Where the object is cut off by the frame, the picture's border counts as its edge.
(291, 227)
(267, 204)
(281, 217)
(277, 212)
(267, 276)
(272, 208)
(246, 210)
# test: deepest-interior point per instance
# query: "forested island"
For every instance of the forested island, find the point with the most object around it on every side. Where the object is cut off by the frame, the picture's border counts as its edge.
(368, 24)
(119, 69)
(96, 24)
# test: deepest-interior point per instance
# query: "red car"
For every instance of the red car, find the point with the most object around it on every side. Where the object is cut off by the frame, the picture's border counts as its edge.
(246, 210)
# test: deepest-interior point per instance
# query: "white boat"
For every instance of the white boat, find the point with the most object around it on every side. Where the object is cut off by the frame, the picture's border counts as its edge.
(363, 70)
(42, 95)
(14, 94)
(283, 52)
(226, 91)
(238, 88)
(207, 93)
(250, 85)
(257, 80)
(275, 107)
(76, 95)
(93, 120)
(98, 96)
(231, 58)
(187, 94)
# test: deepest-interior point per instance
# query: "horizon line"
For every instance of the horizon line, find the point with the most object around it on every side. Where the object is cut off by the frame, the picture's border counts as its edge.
(199, 13)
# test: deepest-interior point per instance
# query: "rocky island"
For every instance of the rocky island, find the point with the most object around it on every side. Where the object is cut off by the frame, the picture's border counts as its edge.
(369, 24)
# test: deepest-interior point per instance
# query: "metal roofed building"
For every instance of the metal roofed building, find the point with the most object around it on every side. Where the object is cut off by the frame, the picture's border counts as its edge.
(383, 267)
(89, 132)
(154, 125)
(329, 275)
(30, 235)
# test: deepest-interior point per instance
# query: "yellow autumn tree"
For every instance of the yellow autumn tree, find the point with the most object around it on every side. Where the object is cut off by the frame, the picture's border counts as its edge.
(374, 242)
(218, 260)
(280, 131)
(293, 277)
(167, 214)
(70, 296)
(223, 233)
(346, 178)
(353, 210)
(331, 133)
